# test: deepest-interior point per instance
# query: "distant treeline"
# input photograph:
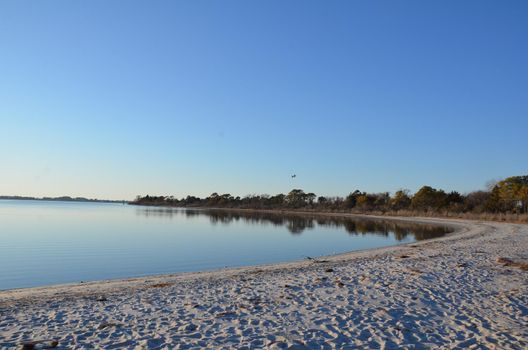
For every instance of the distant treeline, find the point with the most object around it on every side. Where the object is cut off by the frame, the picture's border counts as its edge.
(61, 199)
(507, 196)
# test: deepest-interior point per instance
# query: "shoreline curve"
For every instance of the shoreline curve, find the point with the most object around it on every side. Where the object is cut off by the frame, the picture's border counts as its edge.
(468, 289)
(457, 228)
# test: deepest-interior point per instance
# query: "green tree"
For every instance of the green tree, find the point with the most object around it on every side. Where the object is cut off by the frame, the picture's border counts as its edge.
(401, 200)
(428, 198)
(310, 197)
(296, 198)
(512, 194)
(351, 199)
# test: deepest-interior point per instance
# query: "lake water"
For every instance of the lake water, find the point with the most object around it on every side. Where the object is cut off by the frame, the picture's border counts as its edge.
(43, 243)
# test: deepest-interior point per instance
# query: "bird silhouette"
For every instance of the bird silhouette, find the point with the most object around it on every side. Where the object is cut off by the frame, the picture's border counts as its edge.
(294, 176)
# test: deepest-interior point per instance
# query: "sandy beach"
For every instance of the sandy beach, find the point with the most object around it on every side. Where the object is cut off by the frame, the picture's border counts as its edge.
(468, 290)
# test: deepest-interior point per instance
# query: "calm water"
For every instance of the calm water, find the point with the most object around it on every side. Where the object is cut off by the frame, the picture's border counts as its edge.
(44, 243)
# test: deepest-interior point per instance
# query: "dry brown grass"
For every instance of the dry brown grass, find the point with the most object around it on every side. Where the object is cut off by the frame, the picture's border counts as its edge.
(500, 217)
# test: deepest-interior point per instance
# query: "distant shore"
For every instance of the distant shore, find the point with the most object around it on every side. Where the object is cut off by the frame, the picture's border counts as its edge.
(499, 217)
(61, 199)
(466, 290)
(505, 200)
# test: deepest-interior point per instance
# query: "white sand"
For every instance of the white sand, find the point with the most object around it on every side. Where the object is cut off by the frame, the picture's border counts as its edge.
(446, 293)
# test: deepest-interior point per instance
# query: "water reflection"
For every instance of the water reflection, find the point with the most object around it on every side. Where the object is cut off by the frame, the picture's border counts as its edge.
(298, 223)
(47, 243)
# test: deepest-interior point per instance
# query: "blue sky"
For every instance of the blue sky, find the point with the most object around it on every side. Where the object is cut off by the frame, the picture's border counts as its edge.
(112, 99)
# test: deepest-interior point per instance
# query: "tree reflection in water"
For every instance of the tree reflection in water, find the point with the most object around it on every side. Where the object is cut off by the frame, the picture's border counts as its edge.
(298, 223)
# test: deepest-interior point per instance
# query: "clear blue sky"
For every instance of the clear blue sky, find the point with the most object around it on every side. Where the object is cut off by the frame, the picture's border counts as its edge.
(112, 99)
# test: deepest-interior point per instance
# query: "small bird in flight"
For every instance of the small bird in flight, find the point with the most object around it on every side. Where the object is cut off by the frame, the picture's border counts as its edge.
(294, 176)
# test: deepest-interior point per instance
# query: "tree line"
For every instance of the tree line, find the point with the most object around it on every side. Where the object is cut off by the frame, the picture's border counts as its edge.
(507, 196)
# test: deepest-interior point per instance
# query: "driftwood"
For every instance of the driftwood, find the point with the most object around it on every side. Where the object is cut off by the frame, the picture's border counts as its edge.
(40, 344)
(316, 261)
(509, 262)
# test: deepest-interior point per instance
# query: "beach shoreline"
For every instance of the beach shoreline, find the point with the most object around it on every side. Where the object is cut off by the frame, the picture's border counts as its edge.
(456, 227)
(421, 294)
